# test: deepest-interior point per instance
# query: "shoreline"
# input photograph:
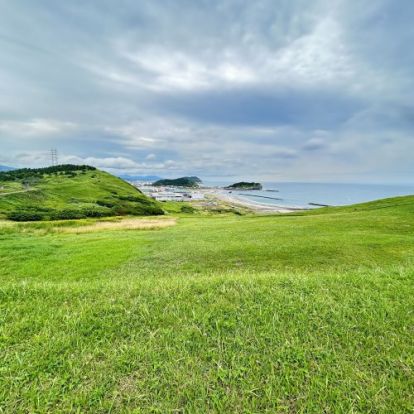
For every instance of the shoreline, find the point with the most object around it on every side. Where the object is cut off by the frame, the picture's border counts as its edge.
(252, 205)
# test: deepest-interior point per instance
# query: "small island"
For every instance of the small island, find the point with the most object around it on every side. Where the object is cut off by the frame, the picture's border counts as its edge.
(190, 182)
(243, 185)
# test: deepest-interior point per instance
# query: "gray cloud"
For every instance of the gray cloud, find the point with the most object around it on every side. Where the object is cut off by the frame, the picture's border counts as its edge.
(314, 144)
(295, 90)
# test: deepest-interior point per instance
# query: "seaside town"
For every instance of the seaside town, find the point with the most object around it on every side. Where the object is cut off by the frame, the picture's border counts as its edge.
(168, 193)
(191, 189)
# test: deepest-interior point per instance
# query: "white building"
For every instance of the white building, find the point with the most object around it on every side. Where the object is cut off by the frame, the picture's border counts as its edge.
(166, 196)
(197, 196)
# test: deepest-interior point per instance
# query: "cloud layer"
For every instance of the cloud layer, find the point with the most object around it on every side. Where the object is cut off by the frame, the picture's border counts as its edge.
(292, 90)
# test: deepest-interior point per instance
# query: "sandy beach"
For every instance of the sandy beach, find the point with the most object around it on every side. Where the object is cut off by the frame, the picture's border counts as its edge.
(233, 199)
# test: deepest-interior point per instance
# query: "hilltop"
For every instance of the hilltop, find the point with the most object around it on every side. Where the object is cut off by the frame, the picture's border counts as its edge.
(243, 185)
(179, 182)
(69, 192)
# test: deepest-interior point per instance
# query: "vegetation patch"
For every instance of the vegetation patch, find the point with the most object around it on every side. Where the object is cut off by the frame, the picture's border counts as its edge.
(124, 224)
(30, 173)
(243, 185)
(69, 192)
(301, 313)
(190, 182)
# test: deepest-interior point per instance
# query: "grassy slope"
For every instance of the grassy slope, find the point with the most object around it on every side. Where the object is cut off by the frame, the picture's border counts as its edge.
(402, 204)
(292, 314)
(62, 192)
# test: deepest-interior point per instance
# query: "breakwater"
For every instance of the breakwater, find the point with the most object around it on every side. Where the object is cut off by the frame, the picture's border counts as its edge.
(260, 196)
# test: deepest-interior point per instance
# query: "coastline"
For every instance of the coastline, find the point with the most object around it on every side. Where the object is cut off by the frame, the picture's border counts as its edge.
(252, 205)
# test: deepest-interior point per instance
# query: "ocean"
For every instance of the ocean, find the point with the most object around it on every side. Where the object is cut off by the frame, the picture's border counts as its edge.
(306, 194)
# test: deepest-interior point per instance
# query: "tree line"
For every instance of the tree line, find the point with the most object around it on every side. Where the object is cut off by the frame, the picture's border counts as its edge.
(24, 173)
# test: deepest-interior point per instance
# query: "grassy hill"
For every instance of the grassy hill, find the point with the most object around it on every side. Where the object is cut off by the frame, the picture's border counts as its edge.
(68, 192)
(191, 182)
(399, 204)
(297, 313)
(243, 185)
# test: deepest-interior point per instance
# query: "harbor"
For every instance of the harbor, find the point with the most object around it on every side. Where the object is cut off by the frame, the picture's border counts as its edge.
(169, 193)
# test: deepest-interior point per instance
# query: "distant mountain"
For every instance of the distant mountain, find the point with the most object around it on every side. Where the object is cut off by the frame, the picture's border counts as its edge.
(6, 168)
(149, 178)
(242, 185)
(179, 182)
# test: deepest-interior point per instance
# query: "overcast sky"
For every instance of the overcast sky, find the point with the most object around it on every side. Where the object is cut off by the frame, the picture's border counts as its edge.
(292, 90)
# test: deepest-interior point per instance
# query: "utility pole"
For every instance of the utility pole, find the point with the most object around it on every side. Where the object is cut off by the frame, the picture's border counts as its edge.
(54, 156)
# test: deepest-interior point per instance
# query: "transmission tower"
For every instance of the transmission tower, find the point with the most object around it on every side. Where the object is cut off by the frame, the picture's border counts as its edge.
(54, 156)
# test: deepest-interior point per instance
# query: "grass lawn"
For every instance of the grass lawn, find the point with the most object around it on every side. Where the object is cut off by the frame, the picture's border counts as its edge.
(303, 313)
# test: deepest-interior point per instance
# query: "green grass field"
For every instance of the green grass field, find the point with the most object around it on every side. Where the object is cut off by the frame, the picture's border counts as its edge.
(76, 194)
(302, 313)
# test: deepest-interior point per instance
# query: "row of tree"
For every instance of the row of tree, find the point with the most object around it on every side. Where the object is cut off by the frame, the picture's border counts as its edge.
(26, 173)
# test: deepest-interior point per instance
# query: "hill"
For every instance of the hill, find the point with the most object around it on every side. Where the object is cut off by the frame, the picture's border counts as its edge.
(192, 182)
(386, 205)
(243, 185)
(68, 192)
(5, 168)
(293, 313)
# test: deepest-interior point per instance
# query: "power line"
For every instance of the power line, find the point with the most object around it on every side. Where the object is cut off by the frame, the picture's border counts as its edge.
(54, 156)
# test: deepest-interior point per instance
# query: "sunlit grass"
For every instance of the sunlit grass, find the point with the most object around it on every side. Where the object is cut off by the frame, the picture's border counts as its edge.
(125, 224)
(277, 314)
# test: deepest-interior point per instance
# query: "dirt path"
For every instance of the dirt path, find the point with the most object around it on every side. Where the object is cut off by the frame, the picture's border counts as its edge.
(16, 192)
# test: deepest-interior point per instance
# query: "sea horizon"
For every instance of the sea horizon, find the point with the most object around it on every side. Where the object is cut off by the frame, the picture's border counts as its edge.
(302, 194)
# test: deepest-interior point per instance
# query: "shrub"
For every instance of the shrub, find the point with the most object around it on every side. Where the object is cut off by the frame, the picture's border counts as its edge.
(134, 199)
(67, 215)
(123, 210)
(91, 212)
(153, 211)
(25, 216)
(187, 209)
(105, 203)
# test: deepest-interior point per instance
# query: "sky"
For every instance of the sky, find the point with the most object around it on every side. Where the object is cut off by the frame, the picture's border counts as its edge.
(273, 90)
